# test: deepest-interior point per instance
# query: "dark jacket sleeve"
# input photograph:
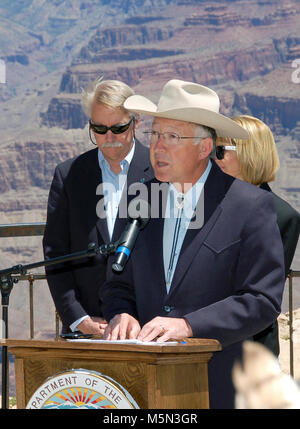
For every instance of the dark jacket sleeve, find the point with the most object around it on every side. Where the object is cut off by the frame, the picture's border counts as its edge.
(56, 238)
(288, 220)
(118, 296)
(289, 225)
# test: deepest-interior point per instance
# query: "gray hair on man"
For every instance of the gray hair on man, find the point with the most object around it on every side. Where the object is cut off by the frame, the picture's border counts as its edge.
(111, 93)
(203, 132)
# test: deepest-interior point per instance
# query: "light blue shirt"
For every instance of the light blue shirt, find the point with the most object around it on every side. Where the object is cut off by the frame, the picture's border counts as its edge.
(179, 217)
(113, 185)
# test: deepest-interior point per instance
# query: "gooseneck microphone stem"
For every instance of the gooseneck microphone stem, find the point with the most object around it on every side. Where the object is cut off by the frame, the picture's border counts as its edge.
(92, 250)
(6, 284)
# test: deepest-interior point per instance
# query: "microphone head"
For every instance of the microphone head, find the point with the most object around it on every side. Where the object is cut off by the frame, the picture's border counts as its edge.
(139, 209)
(117, 267)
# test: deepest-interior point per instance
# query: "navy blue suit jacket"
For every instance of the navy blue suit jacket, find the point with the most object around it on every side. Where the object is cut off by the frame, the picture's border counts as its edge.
(228, 281)
(72, 223)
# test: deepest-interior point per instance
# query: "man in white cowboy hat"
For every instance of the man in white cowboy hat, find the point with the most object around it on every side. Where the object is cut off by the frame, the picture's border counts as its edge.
(222, 279)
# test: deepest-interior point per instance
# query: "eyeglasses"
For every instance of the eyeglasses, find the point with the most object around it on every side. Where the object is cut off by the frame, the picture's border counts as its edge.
(220, 151)
(115, 129)
(170, 138)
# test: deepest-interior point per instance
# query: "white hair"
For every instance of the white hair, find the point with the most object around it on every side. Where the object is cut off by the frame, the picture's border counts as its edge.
(204, 132)
(111, 93)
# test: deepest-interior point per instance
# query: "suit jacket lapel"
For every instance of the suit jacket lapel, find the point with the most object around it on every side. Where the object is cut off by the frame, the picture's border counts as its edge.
(191, 248)
(101, 225)
(215, 189)
(95, 179)
(154, 256)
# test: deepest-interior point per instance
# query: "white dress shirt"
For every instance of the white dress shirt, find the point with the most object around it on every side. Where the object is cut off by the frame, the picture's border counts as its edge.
(177, 220)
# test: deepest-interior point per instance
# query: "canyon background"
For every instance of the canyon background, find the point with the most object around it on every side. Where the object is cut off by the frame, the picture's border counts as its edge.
(248, 51)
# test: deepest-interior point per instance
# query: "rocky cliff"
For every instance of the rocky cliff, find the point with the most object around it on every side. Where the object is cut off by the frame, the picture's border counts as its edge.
(65, 111)
(242, 50)
(281, 112)
(193, 41)
(137, 34)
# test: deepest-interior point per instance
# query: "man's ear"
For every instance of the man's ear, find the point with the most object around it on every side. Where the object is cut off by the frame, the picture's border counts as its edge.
(136, 120)
(206, 146)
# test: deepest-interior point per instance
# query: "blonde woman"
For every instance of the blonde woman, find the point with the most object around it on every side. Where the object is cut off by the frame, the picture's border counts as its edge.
(256, 161)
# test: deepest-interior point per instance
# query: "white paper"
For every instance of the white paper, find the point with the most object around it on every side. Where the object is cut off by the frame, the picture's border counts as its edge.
(142, 343)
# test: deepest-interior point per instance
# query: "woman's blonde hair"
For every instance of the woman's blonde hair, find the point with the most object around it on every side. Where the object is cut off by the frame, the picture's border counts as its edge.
(258, 155)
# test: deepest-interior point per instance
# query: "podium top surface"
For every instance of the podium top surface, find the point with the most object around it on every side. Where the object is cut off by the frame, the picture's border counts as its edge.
(190, 345)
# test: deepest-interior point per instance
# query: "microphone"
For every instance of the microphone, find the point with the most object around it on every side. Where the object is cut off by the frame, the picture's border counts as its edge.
(137, 219)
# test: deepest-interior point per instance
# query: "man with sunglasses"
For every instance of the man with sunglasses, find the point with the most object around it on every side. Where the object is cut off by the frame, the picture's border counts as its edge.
(223, 279)
(79, 185)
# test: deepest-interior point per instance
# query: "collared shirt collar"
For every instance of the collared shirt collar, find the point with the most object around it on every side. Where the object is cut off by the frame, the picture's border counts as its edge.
(191, 197)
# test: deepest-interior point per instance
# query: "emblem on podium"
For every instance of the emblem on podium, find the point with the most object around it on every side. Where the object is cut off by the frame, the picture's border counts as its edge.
(81, 388)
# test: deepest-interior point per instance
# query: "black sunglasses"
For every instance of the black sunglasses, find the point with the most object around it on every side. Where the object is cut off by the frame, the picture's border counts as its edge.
(220, 151)
(115, 129)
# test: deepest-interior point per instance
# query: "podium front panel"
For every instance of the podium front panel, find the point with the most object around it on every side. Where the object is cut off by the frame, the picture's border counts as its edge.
(156, 377)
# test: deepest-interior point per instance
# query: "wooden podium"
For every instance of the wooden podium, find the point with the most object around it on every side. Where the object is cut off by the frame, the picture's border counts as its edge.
(157, 377)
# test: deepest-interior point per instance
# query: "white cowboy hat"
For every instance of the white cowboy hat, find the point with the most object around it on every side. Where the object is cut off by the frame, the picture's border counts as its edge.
(190, 102)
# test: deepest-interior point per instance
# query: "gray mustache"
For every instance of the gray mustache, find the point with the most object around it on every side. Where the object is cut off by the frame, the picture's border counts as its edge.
(113, 144)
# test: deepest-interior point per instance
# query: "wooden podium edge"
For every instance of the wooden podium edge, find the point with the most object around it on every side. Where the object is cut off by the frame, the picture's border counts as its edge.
(190, 345)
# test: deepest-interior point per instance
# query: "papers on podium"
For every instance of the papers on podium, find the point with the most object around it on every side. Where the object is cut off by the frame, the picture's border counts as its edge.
(141, 343)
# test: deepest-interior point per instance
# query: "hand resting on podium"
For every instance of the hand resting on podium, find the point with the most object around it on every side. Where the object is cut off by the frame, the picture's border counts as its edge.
(162, 329)
(93, 325)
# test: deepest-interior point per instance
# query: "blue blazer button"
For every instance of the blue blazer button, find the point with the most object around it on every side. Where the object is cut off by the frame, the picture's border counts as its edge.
(167, 308)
